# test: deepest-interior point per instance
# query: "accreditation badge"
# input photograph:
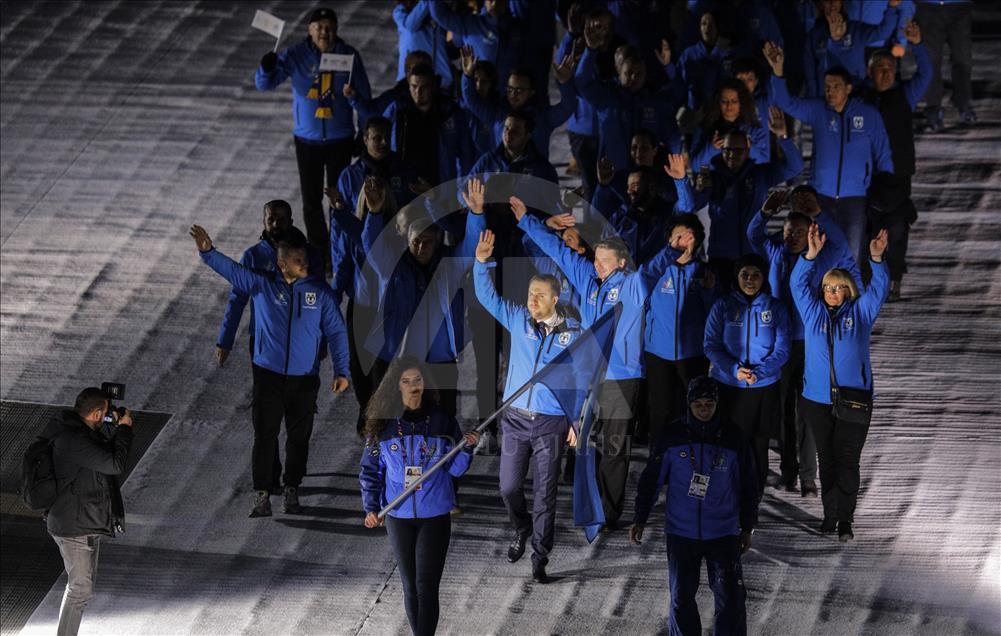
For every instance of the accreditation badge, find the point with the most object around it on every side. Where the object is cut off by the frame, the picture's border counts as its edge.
(412, 474)
(699, 486)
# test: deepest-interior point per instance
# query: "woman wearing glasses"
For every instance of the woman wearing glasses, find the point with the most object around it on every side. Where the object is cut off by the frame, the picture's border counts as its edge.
(747, 342)
(837, 324)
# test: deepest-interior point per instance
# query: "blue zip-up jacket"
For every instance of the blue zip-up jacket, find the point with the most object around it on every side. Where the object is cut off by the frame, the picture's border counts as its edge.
(531, 164)
(406, 443)
(290, 321)
(531, 349)
(780, 262)
(718, 451)
(643, 232)
(421, 307)
(851, 325)
(733, 198)
(301, 63)
(418, 32)
(621, 112)
(702, 71)
(632, 289)
(397, 173)
(262, 257)
(752, 333)
(583, 121)
(822, 53)
(496, 39)
(848, 147)
(759, 25)
(703, 150)
(873, 12)
(494, 112)
(676, 316)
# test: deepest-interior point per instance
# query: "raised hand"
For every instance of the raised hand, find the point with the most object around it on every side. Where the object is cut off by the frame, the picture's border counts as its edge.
(485, 248)
(838, 26)
(473, 196)
(575, 18)
(606, 171)
(201, 237)
(777, 122)
(336, 201)
(775, 57)
(677, 166)
(348, 91)
(897, 50)
(912, 32)
(894, 3)
(878, 245)
(467, 59)
(815, 241)
(518, 207)
(663, 53)
(563, 72)
(561, 222)
(374, 192)
(776, 199)
(717, 140)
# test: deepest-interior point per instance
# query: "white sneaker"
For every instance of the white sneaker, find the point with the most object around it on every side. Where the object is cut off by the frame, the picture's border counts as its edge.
(486, 445)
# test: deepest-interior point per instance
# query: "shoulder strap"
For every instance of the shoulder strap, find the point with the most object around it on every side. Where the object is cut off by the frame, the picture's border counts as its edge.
(830, 350)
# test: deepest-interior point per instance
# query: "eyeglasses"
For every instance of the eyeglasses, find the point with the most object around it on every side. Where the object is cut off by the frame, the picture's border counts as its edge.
(517, 90)
(836, 288)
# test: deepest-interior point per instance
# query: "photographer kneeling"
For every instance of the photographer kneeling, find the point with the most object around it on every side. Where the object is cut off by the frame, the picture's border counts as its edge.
(88, 452)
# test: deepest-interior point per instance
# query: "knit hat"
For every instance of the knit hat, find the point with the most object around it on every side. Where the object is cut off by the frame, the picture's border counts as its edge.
(322, 14)
(703, 387)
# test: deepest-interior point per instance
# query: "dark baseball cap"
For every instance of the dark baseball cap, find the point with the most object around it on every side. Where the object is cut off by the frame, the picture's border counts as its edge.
(322, 13)
(703, 387)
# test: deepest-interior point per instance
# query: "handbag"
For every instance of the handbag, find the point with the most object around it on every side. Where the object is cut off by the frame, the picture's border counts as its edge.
(847, 404)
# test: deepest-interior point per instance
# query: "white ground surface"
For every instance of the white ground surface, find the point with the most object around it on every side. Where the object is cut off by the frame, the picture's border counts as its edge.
(124, 122)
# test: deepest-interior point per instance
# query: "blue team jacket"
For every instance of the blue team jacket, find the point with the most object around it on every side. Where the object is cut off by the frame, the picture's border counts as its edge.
(531, 350)
(301, 63)
(822, 53)
(496, 39)
(290, 321)
(720, 452)
(402, 444)
(676, 317)
(583, 121)
(851, 325)
(848, 147)
(753, 334)
(401, 177)
(418, 32)
(632, 289)
(702, 71)
(644, 233)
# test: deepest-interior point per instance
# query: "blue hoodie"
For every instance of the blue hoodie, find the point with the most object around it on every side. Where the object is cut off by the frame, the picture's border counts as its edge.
(632, 289)
(418, 32)
(676, 316)
(300, 62)
(848, 147)
(851, 325)
(823, 53)
(290, 321)
(531, 349)
(404, 443)
(716, 450)
(752, 333)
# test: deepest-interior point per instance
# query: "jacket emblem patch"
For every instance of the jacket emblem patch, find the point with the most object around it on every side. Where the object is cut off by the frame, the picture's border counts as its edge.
(310, 298)
(766, 316)
(858, 121)
(564, 338)
(613, 295)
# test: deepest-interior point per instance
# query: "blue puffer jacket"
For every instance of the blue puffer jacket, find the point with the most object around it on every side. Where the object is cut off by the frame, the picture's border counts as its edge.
(823, 53)
(418, 32)
(848, 146)
(300, 62)
(708, 448)
(290, 321)
(413, 443)
(676, 316)
(632, 289)
(850, 325)
(752, 333)
(262, 257)
(531, 350)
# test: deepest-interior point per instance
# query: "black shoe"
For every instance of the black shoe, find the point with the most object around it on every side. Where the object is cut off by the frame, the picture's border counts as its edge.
(789, 484)
(262, 504)
(828, 525)
(809, 488)
(539, 572)
(845, 533)
(610, 527)
(290, 501)
(517, 548)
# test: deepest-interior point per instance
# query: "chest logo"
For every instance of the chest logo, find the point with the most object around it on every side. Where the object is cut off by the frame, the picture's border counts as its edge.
(394, 447)
(682, 454)
(766, 316)
(564, 338)
(849, 323)
(613, 295)
(311, 298)
(846, 41)
(280, 299)
(832, 125)
(858, 121)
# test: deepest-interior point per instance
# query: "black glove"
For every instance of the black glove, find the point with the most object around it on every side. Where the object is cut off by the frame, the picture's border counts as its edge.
(269, 62)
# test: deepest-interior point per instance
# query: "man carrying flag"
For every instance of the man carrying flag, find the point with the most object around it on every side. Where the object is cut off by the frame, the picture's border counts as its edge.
(535, 424)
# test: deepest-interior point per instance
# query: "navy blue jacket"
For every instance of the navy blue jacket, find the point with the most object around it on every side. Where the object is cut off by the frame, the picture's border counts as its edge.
(496, 39)
(719, 451)
(701, 71)
(418, 32)
(676, 316)
(851, 325)
(422, 443)
(301, 62)
(290, 321)
(822, 53)
(642, 230)
(752, 333)
(399, 175)
(583, 121)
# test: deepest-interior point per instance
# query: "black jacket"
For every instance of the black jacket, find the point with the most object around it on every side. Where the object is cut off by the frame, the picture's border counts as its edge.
(87, 465)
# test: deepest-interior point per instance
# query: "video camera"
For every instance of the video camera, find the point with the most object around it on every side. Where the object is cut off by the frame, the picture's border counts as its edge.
(113, 391)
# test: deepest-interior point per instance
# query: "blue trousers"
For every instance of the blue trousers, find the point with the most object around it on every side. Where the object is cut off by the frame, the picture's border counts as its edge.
(542, 437)
(684, 564)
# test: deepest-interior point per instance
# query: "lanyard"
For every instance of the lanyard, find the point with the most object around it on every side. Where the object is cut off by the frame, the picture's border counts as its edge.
(716, 452)
(425, 451)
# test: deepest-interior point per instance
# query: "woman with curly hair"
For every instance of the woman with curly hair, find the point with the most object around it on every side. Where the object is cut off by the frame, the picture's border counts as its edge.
(407, 433)
(732, 108)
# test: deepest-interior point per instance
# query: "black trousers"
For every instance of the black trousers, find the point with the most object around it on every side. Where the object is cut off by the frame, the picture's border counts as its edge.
(757, 411)
(314, 160)
(948, 24)
(726, 579)
(277, 397)
(616, 412)
(360, 369)
(799, 450)
(839, 449)
(421, 546)
(897, 220)
(667, 388)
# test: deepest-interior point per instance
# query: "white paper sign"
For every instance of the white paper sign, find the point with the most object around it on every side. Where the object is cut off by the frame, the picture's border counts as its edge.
(269, 24)
(337, 62)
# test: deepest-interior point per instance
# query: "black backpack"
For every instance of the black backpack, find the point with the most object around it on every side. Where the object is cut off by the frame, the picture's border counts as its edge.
(39, 488)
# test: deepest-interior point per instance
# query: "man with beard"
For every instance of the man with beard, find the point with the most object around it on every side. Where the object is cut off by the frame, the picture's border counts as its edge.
(377, 160)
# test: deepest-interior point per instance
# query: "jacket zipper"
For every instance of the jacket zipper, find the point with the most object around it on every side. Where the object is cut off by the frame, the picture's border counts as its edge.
(288, 332)
(841, 153)
(535, 365)
(677, 300)
(747, 358)
(702, 452)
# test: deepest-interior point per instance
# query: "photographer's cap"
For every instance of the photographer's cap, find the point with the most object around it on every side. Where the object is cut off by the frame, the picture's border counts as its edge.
(322, 13)
(703, 388)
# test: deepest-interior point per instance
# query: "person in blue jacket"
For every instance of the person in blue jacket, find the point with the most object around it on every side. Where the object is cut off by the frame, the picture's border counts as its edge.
(494, 33)
(676, 325)
(849, 145)
(638, 216)
(701, 64)
(294, 314)
(485, 82)
(732, 109)
(324, 128)
(747, 342)
(377, 159)
(535, 425)
(603, 283)
(407, 433)
(711, 509)
(418, 32)
(748, 71)
(838, 323)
